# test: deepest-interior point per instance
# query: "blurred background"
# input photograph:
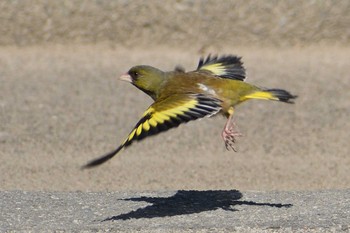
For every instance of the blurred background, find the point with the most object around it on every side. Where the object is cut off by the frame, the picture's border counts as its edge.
(188, 24)
(62, 105)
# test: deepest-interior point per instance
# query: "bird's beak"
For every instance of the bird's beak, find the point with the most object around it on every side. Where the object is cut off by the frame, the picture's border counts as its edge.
(126, 77)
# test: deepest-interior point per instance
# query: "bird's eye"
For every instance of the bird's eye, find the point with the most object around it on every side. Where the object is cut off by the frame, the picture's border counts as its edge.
(133, 74)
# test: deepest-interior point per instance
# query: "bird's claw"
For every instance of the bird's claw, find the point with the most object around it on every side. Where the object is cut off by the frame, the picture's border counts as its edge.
(229, 136)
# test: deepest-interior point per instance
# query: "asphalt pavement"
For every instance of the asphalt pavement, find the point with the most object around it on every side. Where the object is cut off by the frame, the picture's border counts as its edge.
(175, 211)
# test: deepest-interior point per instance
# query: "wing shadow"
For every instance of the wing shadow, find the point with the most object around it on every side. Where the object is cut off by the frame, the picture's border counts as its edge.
(189, 202)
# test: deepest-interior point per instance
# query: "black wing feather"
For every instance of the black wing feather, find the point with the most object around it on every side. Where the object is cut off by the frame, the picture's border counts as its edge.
(159, 119)
(227, 66)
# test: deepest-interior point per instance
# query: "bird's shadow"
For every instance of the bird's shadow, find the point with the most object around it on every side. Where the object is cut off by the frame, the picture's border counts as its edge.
(189, 202)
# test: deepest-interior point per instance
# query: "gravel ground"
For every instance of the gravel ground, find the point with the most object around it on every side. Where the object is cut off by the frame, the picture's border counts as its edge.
(175, 211)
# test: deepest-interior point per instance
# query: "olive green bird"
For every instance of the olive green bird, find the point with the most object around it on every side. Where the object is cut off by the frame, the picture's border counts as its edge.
(216, 86)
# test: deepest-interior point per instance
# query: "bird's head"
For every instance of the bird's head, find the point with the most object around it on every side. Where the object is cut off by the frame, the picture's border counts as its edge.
(146, 78)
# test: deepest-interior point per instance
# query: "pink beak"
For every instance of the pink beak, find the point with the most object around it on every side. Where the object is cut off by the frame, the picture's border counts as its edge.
(126, 77)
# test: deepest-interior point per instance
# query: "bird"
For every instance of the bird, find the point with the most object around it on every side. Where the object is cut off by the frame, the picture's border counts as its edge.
(217, 86)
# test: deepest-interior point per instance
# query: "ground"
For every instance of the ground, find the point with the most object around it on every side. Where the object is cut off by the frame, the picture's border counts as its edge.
(63, 105)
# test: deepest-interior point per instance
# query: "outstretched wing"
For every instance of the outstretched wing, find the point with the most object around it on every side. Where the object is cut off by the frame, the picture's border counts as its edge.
(225, 67)
(165, 114)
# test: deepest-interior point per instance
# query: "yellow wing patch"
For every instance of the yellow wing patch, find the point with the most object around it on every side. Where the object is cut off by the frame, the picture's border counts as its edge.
(163, 115)
(230, 67)
(216, 68)
(171, 112)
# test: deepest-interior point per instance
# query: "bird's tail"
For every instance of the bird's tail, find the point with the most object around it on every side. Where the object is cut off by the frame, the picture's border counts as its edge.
(272, 94)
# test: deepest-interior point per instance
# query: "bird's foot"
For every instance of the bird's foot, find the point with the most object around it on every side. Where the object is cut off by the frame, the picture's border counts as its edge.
(229, 135)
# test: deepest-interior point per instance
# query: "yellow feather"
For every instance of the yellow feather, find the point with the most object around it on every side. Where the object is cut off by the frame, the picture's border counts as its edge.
(175, 112)
(148, 111)
(131, 135)
(159, 117)
(171, 113)
(216, 68)
(139, 130)
(260, 95)
(179, 110)
(146, 126)
(152, 122)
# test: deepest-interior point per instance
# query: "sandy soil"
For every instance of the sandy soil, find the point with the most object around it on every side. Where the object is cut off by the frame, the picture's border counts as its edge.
(182, 23)
(61, 106)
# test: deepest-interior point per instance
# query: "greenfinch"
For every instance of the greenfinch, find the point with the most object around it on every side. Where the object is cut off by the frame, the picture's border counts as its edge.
(216, 86)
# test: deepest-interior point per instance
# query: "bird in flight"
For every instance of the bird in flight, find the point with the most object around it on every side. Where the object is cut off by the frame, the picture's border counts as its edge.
(216, 86)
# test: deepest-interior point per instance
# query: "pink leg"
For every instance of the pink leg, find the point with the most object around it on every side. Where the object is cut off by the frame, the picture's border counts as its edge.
(229, 133)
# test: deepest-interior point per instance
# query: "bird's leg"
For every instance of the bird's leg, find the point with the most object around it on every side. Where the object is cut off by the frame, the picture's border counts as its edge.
(229, 133)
